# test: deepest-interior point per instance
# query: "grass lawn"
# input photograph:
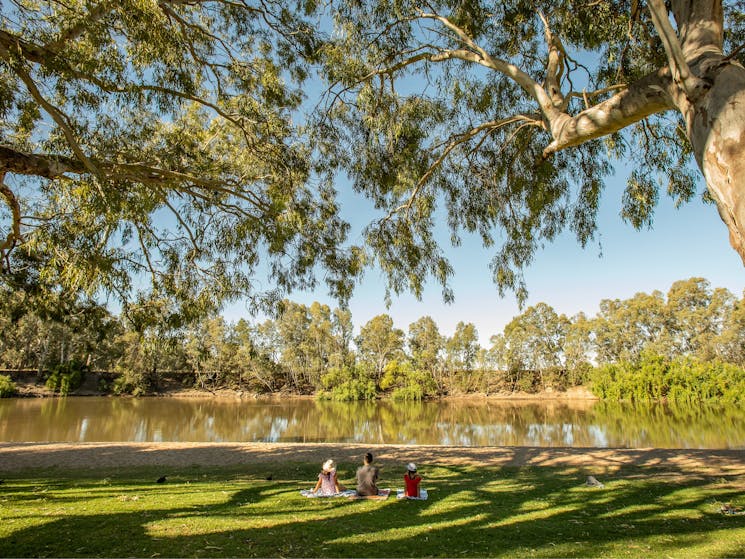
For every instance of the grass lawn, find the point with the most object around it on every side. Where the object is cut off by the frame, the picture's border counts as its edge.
(471, 512)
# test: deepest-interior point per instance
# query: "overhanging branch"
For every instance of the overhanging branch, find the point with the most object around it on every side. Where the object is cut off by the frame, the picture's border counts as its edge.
(475, 53)
(554, 65)
(650, 95)
(57, 166)
(455, 141)
(645, 97)
(14, 234)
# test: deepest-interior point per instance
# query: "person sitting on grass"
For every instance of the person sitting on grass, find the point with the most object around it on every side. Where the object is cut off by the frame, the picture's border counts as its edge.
(328, 484)
(367, 476)
(411, 481)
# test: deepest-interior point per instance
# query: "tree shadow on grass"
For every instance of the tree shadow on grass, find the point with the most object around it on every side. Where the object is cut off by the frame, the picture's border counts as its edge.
(471, 512)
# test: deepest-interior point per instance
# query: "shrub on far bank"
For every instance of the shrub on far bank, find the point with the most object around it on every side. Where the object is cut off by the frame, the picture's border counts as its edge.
(347, 384)
(66, 377)
(7, 387)
(682, 380)
(407, 383)
(129, 383)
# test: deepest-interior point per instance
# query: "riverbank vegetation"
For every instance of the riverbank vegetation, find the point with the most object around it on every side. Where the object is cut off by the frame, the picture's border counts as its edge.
(257, 511)
(682, 380)
(7, 387)
(686, 345)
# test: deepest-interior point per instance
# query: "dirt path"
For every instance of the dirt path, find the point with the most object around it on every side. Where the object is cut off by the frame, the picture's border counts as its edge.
(20, 456)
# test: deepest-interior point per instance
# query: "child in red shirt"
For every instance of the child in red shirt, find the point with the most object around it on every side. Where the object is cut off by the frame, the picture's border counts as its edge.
(411, 481)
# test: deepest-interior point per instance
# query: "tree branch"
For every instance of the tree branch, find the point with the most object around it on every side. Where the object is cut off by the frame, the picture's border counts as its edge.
(146, 254)
(587, 95)
(14, 235)
(554, 65)
(454, 142)
(192, 239)
(35, 53)
(689, 83)
(649, 95)
(58, 116)
(47, 166)
(41, 55)
(53, 166)
(480, 56)
(79, 28)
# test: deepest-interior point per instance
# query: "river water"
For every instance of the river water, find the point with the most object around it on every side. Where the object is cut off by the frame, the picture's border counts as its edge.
(452, 422)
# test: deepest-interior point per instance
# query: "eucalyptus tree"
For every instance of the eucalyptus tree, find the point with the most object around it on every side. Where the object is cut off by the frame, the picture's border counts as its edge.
(292, 328)
(730, 344)
(211, 352)
(461, 354)
(342, 331)
(545, 334)
(425, 345)
(512, 114)
(307, 341)
(321, 342)
(623, 329)
(696, 316)
(39, 332)
(506, 355)
(579, 351)
(533, 340)
(149, 146)
(151, 342)
(378, 343)
(266, 346)
(255, 363)
(23, 335)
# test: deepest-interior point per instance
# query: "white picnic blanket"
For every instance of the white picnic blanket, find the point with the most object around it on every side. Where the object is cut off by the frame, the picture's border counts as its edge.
(422, 495)
(310, 493)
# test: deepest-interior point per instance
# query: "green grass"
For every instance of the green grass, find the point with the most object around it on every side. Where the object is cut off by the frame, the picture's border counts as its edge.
(471, 512)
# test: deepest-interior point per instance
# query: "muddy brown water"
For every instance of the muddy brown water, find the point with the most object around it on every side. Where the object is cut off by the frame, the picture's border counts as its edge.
(454, 423)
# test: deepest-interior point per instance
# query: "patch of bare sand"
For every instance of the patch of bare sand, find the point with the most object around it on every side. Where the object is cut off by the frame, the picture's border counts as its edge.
(20, 456)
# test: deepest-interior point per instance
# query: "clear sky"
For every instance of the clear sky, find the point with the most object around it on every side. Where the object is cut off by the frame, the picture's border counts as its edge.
(687, 242)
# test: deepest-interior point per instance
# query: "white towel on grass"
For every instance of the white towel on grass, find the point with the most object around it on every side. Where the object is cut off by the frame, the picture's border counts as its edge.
(422, 495)
(310, 493)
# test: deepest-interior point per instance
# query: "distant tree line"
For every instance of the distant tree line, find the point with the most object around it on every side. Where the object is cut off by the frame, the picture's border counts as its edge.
(687, 345)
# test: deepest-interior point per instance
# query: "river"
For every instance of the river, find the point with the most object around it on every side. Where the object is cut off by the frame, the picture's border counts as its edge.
(479, 422)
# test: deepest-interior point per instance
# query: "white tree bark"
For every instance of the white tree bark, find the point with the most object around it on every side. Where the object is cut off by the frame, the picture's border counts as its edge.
(716, 128)
(650, 95)
(715, 117)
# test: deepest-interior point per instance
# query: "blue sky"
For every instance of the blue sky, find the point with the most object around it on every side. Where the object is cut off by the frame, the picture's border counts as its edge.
(690, 241)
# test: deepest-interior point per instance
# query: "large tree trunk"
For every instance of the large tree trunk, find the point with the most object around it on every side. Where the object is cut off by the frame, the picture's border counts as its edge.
(716, 128)
(715, 118)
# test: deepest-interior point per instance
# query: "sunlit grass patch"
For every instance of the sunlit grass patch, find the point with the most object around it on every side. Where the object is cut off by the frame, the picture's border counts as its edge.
(471, 512)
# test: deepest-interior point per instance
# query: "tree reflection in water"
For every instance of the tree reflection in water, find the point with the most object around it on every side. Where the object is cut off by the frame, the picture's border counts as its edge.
(483, 422)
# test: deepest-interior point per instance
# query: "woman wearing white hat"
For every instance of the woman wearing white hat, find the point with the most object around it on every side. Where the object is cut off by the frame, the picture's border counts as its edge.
(328, 484)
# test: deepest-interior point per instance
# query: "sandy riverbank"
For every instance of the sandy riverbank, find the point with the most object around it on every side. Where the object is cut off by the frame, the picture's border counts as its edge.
(20, 456)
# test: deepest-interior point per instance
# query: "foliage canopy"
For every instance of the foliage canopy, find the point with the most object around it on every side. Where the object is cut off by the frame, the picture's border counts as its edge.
(470, 106)
(156, 139)
(178, 141)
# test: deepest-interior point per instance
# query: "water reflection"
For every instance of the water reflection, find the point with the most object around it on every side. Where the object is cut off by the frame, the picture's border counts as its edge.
(468, 423)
